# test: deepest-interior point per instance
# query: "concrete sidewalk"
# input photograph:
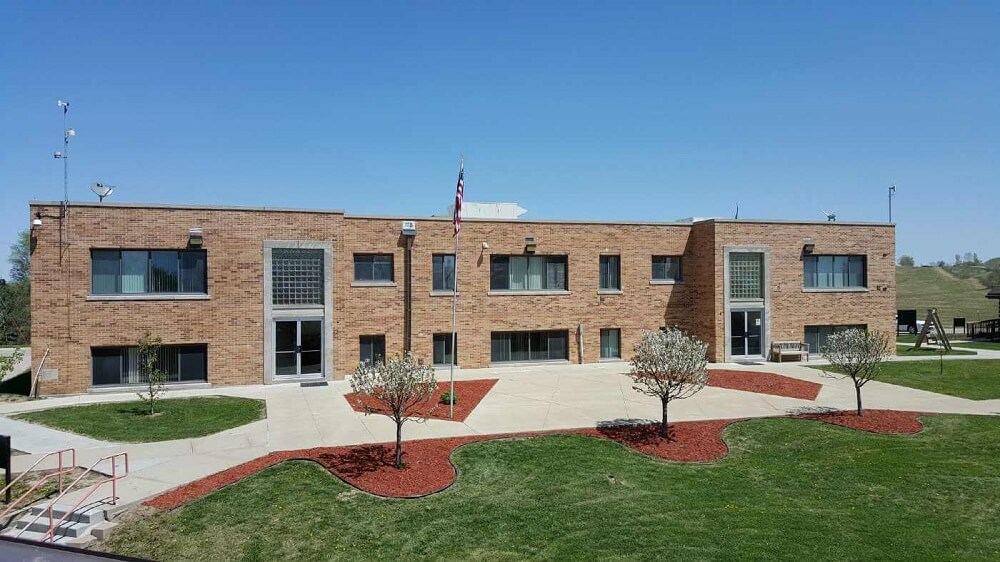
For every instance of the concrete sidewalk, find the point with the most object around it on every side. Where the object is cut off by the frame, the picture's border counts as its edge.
(526, 398)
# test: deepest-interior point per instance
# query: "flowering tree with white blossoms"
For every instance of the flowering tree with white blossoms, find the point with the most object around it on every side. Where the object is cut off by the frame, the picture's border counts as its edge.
(857, 354)
(669, 365)
(399, 385)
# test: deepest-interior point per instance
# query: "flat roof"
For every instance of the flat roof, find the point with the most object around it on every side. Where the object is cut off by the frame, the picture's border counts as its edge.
(448, 218)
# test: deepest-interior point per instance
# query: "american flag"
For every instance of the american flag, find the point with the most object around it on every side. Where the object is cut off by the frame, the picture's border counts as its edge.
(459, 193)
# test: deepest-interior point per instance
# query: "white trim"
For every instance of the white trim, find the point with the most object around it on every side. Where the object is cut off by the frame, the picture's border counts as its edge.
(526, 293)
(150, 297)
(375, 284)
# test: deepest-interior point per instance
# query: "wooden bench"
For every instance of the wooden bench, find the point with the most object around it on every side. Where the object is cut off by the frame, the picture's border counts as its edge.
(782, 348)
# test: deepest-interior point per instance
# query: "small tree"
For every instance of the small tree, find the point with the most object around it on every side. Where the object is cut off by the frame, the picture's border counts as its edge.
(399, 385)
(8, 362)
(149, 353)
(906, 261)
(669, 365)
(857, 354)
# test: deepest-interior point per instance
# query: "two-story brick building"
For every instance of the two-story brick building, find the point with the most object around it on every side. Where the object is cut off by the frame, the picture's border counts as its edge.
(259, 295)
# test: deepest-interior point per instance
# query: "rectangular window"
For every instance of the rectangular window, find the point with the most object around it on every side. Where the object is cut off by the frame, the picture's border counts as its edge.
(375, 268)
(611, 343)
(297, 276)
(746, 275)
(816, 335)
(528, 273)
(442, 349)
(114, 272)
(120, 365)
(611, 272)
(834, 272)
(529, 346)
(372, 348)
(666, 268)
(443, 272)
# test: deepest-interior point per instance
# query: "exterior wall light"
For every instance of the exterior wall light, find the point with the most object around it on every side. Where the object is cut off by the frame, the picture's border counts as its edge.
(529, 244)
(195, 237)
(808, 246)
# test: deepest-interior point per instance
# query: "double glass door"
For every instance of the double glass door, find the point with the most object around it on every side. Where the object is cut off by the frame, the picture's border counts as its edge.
(298, 347)
(746, 333)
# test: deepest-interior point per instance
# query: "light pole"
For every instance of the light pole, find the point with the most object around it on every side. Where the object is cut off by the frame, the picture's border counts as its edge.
(892, 192)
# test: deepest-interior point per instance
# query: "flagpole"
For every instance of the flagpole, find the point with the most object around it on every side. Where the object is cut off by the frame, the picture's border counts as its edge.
(454, 303)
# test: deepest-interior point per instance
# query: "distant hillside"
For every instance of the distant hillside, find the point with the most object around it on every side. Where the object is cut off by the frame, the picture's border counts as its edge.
(921, 288)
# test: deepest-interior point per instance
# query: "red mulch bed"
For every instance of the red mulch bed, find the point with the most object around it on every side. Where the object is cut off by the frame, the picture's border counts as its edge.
(469, 393)
(429, 468)
(763, 383)
(875, 421)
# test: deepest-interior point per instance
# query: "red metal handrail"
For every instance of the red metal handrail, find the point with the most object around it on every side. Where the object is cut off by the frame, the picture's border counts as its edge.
(63, 469)
(114, 478)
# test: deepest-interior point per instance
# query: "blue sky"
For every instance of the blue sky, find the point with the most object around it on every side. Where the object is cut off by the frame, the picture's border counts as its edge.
(597, 110)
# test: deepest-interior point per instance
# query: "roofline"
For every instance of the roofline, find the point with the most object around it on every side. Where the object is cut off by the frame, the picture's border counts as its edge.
(170, 206)
(167, 206)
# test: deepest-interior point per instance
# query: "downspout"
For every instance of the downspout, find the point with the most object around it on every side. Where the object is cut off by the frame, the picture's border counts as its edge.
(408, 296)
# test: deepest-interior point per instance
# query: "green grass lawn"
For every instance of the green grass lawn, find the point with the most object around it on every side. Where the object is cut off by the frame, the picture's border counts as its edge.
(908, 350)
(790, 489)
(177, 418)
(921, 288)
(990, 345)
(976, 379)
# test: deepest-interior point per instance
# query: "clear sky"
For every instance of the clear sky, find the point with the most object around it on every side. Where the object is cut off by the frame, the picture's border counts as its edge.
(596, 110)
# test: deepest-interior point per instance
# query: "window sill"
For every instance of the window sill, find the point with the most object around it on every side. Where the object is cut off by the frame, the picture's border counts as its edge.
(611, 360)
(529, 363)
(521, 293)
(373, 283)
(609, 292)
(443, 293)
(835, 290)
(151, 297)
(665, 282)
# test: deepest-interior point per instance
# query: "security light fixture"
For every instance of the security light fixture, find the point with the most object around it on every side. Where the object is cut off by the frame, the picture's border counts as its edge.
(529, 244)
(486, 245)
(101, 190)
(808, 245)
(409, 228)
(196, 237)
(36, 222)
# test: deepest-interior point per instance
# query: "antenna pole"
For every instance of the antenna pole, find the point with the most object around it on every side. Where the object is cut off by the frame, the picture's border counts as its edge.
(892, 191)
(65, 156)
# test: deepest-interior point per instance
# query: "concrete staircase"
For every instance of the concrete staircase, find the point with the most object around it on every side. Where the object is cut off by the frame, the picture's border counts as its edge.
(76, 528)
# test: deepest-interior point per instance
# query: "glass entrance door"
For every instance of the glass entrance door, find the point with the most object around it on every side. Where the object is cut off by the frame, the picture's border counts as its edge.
(298, 347)
(746, 333)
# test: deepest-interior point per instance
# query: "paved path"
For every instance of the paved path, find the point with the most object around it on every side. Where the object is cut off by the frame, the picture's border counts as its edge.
(525, 399)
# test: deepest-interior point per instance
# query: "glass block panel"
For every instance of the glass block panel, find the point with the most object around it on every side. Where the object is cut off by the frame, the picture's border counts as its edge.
(746, 275)
(296, 276)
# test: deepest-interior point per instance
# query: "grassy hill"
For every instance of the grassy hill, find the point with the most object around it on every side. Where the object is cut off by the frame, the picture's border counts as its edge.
(921, 288)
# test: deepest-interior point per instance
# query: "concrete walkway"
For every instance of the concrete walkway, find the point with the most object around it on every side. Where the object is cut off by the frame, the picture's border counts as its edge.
(528, 398)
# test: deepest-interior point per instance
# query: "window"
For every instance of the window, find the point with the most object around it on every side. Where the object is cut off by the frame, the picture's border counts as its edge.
(373, 268)
(529, 346)
(611, 273)
(528, 273)
(746, 275)
(666, 268)
(118, 272)
(297, 276)
(442, 349)
(372, 348)
(611, 343)
(443, 270)
(120, 365)
(816, 335)
(834, 272)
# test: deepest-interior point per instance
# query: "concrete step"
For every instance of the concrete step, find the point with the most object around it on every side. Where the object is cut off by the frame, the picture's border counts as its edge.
(35, 536)
(71, 529)
(88, 513)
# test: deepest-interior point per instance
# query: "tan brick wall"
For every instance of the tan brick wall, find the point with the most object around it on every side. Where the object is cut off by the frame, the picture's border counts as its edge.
(231, 321)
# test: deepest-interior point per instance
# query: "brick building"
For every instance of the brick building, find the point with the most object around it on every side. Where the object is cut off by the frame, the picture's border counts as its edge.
(259, 295)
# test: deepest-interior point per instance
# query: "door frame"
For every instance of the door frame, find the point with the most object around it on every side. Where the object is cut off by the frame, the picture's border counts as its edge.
(730, 305)
(298, 344)
(763, 331)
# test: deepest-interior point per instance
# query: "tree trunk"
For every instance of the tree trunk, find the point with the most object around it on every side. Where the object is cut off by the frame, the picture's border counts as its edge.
(399, 444)
(857, 390)
(664, 431)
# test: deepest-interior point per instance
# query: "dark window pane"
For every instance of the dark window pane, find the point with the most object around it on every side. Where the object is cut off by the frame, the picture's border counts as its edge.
(556, 344)
(610, 343)
(382, 268)
(285, 363)
(610, 272)
(372, 348)
(135, 267)
(363, 267)
(193, 272)
(164, 269)
(556, 273)
(192, 363)
(105, 272)
(107, 365)
(443, 270)
(667, 268)
(442, 349)
(499, 273)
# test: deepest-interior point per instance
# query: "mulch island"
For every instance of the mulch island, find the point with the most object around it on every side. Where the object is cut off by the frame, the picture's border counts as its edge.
(763, 383)
(469, 394)
(429, 468)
